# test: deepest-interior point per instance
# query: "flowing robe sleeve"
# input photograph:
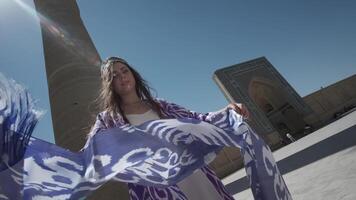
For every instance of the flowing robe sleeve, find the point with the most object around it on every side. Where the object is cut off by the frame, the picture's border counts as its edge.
(178, 111)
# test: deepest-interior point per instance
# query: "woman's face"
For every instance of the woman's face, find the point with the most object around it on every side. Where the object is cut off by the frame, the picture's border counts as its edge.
(123, 79)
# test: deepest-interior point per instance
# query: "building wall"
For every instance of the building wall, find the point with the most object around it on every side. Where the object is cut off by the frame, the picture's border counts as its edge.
(275, 107)
(322, 107)
(330, 101)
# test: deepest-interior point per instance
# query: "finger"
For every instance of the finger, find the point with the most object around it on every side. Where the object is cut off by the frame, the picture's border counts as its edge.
(237, 108)
(245, 111)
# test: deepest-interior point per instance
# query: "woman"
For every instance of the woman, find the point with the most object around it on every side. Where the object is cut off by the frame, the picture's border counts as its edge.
(125, 98)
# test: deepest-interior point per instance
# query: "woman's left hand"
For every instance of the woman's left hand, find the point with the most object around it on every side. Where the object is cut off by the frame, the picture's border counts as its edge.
(240, 109)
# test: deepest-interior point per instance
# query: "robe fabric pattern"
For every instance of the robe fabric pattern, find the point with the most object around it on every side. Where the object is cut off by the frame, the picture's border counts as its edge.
(138, 192)
(169, 151)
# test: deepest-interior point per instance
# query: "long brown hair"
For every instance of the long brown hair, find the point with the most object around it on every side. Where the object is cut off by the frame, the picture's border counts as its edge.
(110, 101)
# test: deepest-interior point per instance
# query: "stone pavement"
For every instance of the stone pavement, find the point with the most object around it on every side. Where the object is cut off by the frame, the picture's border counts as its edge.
(321, 165)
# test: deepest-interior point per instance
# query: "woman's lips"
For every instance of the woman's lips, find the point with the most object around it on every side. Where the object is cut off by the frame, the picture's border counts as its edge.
(125, 83)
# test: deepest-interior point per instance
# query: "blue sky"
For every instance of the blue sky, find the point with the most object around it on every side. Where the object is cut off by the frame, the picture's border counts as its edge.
(177, 45)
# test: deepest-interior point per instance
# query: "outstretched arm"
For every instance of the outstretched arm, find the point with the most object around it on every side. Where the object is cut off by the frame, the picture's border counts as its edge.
(177, 111)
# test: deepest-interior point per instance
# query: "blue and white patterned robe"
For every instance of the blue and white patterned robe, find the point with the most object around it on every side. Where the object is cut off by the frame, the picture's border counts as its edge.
(139, 192)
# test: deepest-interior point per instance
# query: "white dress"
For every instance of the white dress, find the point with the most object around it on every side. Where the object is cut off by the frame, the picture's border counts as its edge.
(196, 186)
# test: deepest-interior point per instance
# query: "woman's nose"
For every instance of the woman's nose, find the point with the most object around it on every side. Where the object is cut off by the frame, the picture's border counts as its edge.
(122, 77)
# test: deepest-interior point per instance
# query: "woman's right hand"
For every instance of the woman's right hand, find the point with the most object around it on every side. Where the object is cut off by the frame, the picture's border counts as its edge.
(240, 109)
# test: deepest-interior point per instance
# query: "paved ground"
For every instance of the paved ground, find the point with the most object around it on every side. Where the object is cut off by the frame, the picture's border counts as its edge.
(321, 165)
